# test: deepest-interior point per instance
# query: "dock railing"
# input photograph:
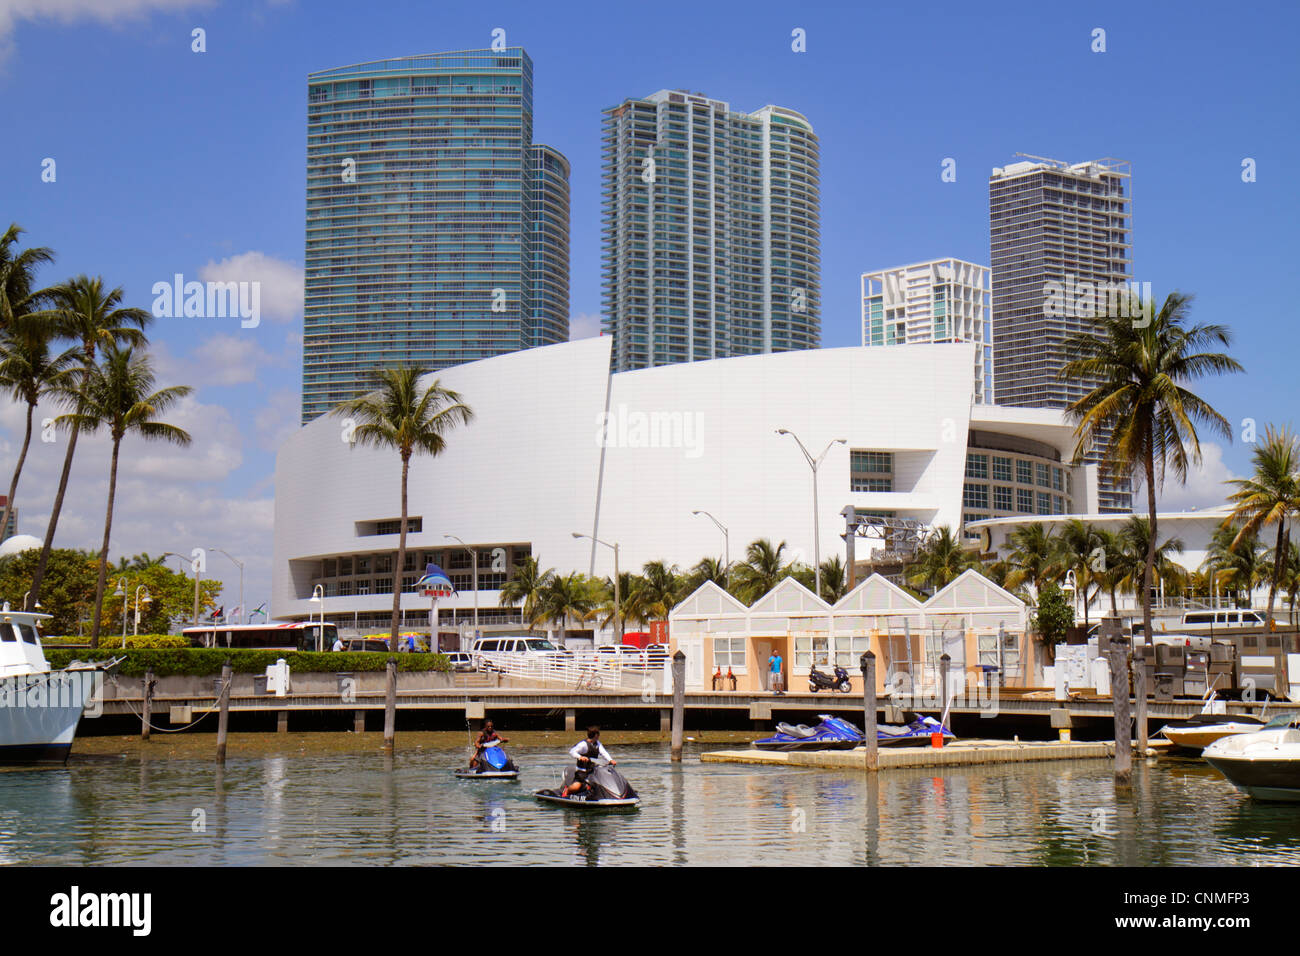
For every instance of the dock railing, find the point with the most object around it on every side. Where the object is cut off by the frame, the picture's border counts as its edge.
(581, 672)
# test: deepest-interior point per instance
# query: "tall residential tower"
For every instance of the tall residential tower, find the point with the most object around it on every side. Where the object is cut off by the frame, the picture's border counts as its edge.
(943, 300)
(1054, 225)
(711, 230)
(437, 232)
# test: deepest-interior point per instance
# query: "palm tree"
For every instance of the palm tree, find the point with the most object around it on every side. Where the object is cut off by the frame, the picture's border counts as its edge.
(1112, 568)
(1291, 577)
(402, 416)
(29, 373)
(834, 584)
(1236, 561)
(91, 317)
(17, 276)
(938, 561)
(1034, 558)
(604, 594)
(761, 570)
(1270, 496)
(1082, 550)
(708, 569)
(119, 396)
(567, 596)
(1138, 405)
(657, 592)
(1134, 540)
(524, 587)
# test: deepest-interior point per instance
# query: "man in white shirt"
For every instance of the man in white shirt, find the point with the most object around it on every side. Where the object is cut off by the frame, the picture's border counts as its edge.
(586, 752)
(338, 643)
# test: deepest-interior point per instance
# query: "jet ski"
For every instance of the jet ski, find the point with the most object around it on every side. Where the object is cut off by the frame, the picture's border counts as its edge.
(915, 734)
(831, 734)
(495, 765)
(606, 789)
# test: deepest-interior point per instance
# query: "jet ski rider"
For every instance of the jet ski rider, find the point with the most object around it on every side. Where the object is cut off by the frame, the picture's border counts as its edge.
(486, 736)
(586, 752)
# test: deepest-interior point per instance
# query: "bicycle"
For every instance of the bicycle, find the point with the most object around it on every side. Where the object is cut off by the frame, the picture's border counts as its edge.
(590, 681)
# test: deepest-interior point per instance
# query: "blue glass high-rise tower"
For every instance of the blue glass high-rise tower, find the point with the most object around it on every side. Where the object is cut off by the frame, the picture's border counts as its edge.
(437, 232)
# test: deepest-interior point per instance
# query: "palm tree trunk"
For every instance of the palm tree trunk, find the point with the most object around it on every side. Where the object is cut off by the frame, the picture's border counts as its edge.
(1279, 561)
(1148, 637)
(18, 470)
(1114, 611)
(54, 514)
(401, 565)
(103, 551)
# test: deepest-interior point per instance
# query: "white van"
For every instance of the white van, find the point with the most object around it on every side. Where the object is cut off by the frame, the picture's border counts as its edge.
(498, 651)
(1223, 618)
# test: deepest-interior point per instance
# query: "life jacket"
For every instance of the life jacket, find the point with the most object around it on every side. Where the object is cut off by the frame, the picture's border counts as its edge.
(593, 750)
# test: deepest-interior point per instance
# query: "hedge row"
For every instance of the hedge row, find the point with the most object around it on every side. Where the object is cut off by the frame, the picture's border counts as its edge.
(108, 641)
(205, 662)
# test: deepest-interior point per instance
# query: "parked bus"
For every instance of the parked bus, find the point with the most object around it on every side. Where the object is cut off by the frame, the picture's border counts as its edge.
(293, 636)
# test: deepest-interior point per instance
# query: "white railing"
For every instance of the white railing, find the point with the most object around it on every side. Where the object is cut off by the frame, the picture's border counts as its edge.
(589, 673)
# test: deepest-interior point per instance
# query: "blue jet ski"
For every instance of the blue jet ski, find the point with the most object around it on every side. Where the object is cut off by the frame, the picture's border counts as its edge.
(834, 733)
(495, 765)
(915, 734)
(831, 734)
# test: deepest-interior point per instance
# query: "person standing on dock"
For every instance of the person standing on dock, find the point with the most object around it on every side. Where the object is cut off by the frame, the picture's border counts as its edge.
(776, 681)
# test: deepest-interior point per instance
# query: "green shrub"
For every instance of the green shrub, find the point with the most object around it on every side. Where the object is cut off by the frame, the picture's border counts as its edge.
(205, 662)
(132, 641)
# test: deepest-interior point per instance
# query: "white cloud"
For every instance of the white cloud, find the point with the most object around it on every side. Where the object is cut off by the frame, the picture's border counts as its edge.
(1204, 487)
(111, 12)
(281, 281)
(583, 326)
(219, 360)
(277, 419)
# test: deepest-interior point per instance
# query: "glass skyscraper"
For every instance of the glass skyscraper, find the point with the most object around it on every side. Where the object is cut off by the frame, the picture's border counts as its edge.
(437, 232)
(1054, 225)
(711, 230)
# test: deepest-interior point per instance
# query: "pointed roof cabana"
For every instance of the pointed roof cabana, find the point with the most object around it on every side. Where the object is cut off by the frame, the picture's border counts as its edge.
(789, 607)
(979, 601)
(709, 608)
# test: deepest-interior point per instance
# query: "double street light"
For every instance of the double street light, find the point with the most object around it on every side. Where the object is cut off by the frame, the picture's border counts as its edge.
(240, 565)
(618, 594)
(814, 464)
(726, 545)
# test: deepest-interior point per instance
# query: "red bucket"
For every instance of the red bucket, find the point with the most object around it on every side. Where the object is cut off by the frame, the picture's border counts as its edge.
(936, 740)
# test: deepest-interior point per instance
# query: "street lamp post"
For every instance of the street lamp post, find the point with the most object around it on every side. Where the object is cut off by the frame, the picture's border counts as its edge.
(124, 590)
(473, 553)
(814, 464)
(618, 594)
(726, 545)
(136, 626)
(318, 597)
(240, 565)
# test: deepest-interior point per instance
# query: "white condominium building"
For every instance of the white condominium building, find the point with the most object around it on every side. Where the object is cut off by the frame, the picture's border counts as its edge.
(943, 300)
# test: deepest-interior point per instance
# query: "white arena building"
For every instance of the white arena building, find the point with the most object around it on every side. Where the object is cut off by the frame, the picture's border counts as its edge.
(560, 445)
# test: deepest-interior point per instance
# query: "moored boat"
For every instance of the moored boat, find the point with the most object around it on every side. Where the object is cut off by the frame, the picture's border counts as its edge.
(39, 707)
(1266, 764)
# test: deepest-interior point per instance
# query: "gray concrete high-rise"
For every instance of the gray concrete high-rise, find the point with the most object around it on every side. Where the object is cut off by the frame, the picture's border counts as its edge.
(1054, 225)
(437, 232)
(711, 230)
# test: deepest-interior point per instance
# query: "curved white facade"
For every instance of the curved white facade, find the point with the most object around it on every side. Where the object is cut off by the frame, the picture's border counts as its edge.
(532, 468)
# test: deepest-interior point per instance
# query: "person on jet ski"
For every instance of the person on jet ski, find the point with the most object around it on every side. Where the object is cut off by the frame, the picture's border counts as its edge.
(486, 736)
(586, 752)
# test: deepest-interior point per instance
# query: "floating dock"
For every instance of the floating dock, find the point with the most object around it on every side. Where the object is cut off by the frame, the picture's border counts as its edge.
(957, 753)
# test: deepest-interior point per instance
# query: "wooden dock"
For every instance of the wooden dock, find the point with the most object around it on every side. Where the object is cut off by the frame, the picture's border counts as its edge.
(957, 753)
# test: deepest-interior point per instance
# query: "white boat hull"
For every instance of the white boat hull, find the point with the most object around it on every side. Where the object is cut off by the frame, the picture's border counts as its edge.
(39, 715)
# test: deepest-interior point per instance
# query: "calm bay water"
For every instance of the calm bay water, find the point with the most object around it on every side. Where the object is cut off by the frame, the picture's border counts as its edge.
(304, 805)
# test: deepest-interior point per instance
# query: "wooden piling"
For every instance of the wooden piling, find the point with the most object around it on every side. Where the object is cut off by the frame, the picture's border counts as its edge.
(358, 721)
(1119, 692)
(223, 714)
(282, 722)
(390, 706)
(1140, 702)
(679, 704)
(871, 741)
(945, 664)
(147, 715)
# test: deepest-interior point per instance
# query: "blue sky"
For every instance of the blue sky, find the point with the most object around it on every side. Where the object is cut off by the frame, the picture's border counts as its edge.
(173, 161)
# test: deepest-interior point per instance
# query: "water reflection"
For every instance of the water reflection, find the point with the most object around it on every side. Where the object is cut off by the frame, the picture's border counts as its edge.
(340, 808)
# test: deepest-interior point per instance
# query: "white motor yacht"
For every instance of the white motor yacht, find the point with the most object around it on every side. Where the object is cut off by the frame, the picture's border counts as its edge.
(1264, 765)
